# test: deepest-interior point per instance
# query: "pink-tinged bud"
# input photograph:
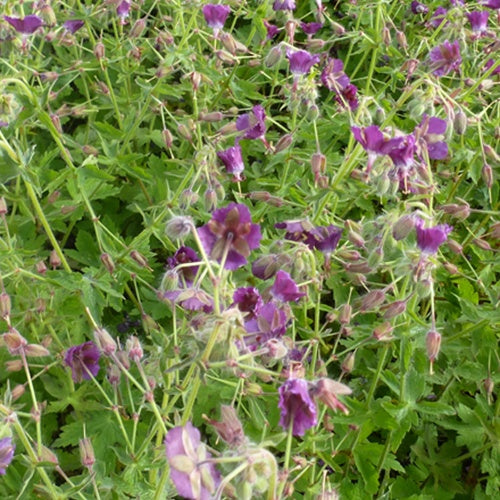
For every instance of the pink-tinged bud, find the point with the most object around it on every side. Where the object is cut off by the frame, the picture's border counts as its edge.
(318, 163)
(68, 209)
(345, 314)
(90, 150)
(135, 53)
(386, 36)
(495, 231)
(134, 349)
(229, 428)
(148, 323)
(53, 197)
(348, 364)
(56, 122)
(87, 455)
(179, 227)
(433, 344)
(108, 263)
(185, 132)
(104, 341)
(460, 212)
(395, 309)
(14, 341)
(383, 332)
(168, 139)
(327, 390)
(328, 495)
(487, 175)
(355, 238)
(460, 123)
(423, 288)
(276, 349)
(170, 281)
(375, 258)
(372, 300)
(346, 331)
(401, 39)
(123, 358)
(48, 456)
(402, 227)
(358, 267)
(315, 44)
(3, 207)
(18, 391)
(54, 260)
(489, 386)
(215, 116)
(454, 246)
(139, 258)
(113, 374)
(451, 268)
(290, 27)
(225, 57)
(284, 143)
(482, 244)
(36, 351)
(5, 305)
(350, 255)
(338, 29)
(137, 28)
(14, 365)
(195, 78)
(99, 51)
(490, 153)
(228, 42)
(273, 56)
(210, 200)
(266, 198)
(322, 182)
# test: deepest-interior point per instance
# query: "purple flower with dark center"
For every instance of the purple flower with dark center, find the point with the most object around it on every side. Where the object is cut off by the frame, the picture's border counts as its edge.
(297, 407)
(253, 123)
(419, 8)
(478, 20)
(429, 134)
(190, 299)
(269, 323)
(296, 230)
(83, 360)
(216, 15)
(438, 16)
(230, 235)
(445, 58)
(73, 25)
(191, 471)
(185, 255)
(311, 28)
(430, 239)
(233, 161)
(285, 289)
(284, 5)
(301, 61)
(271, 29)
(26, 25)
(123, 10)
(372, 140)
(248, 300)
(7, 448)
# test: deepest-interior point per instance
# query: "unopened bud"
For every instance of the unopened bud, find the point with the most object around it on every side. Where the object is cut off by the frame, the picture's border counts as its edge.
(283, 143)
(54, 260)
(139, 258)
(489, 386)
(451, 268)
(383, 332)
(14, 365)
(490, 153)
(460, 123)
(215, 116)
(386, 36)
(170, 281)
(327, 390)
(487, 175)
(460, 212)
(148, 323)
(3, 207)
(210, 200)
(423, 288)
(56, 122)
(348, 363)
(47, 455)
(195, 78)
(40, 267)
(358, 267)
(36, 351)
(229, 428)
(454, 246)
(228, 42)
(137, 28)
(113, 374)
(87, 455)
(482, 244)
(5, 305)
(167, 138)
(338, 29)
(355, 238)
(318, 163)
(402, 227)
(350, 255)
(225, 57)
(90, 150)
(433, 344)
(18, 391)
(345, 314)
(371, 300)
(99, 50)
(395, 309)
(104, 341)
(108, 263)
(178, 227)
(290, 27)
(14, 341)
(273, 56)
(401, 39)
(185, 132)
(134, 349)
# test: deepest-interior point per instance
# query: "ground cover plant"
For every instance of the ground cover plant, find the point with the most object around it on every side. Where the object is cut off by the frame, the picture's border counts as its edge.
(249, 249)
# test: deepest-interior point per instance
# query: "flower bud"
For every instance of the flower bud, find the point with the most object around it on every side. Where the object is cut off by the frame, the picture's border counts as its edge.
(326, 390)
(482, 244)
(210, 200)
(276, 349)
(454, 246)
(178, 227)
(371, 300)
(168, 139)
(134, 349)
(87, 455)
(139, 258)
(283, 143)
(358, 267)
(3, 207)
(395, 309)
(273, 56)
(489, 386)
(14, 365)
(185, 132)
(54, 260)
(195, 78)
(383, 332)
(170, 281)
(433, 344)
(460, 123)
(315, 44)
(18, 391)
(423, 288)
(318, 163)
(215, 116)
(487, 175)
(113, 374)
(348, 363)
(104, 341)
(345, 314)
(490, 153)
(228, 42)
(401, 39)
(108, 263)
(460, 212)
(386, 36)
(402, 227)
(137, 28)
(47, 455)
(36, 351)
(229, 428)
(99, 51)
(5, 305)
(350, 255)
(451, 268)
(14, 341)
(225, 57)
(355, 238)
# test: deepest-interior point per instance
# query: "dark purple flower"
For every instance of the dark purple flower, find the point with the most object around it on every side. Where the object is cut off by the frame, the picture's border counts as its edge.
(123, 10)
(429, 134)
(334, 79)
(26, 25)
(401, 150)
(311, 28)
(269, 323)
(301, 61)
(491, 4)
(248, 300)
(230, 234)
(285, 289)
(271, 29)
(233, 161)
(445, 58)
(7, 448)
(489, 63)
(372, 140)
(83, 360)
(190, 299)
(419, 8)
(284, 5)
(297, 406)
(296, 230)
(429, 239)
(185, 255)
(266, 266)
(73, 25)
(216, 15)
(438, 16)
(327, 238)
(253, 123)
(478, 20)
(191, 471)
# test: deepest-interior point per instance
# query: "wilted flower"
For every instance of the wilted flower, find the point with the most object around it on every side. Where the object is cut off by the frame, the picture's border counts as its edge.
(327, 390)
(216, 15)
(284, 5)
(297, 406)
(285, 289)
(185, 255)
(82, 359)
(73, 25)
(233, 161)
(301, 61)
(230, 235)
(478, 20)
(248, 300)
(445, 58)
(7, 448)
(429, 133)
(326, 238)
(430, 239)
(229, 428)
(323, 238)
(253, 123)
(190, 469)
(26, 25)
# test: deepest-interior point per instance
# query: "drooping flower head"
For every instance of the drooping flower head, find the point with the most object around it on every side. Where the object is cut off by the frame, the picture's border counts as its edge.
(401, 150)
(327, 390)
(327, 238)
(271, 30)
(445, 58)
(478, 20)
(230, 234)
(334, 79)
(190, 299)
(26, 25)
(73, 25)
(216, 15)
(311, 28)
(428, 134)
(233, 161)
(372, 140)
(185, 255)
(190, 469)
(248, 300)
(253, 123)
(82, 359)
(431, 238)
(285, 289)
(7, 448)
(297, 407)
(301, 61)
(284, 5)
(123, 10)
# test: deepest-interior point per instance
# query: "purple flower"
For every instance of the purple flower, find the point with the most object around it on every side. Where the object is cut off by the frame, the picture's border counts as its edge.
(429, 134)
(190, 299)
(297, 406)
(248, 300)
(311, 28)
(478, 20)
(27, 25)
(445, 58)
(419, 8)
(327, 238)
(7, 448)
(489, 63)
(492, 4)
(216, 15)
(230, 234)
(271, 29)
(438, 16)
(73, 25)
(334, 79)
(185, 255)
(284, 5)
(123, 10)
(429, 240)
(285, 289)
(301, 61)
(3, 124)
(233, 161)
(372, 140)
(191, 471)
(252, 124)
(269, 323)
(401, 150)
(83, 360)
